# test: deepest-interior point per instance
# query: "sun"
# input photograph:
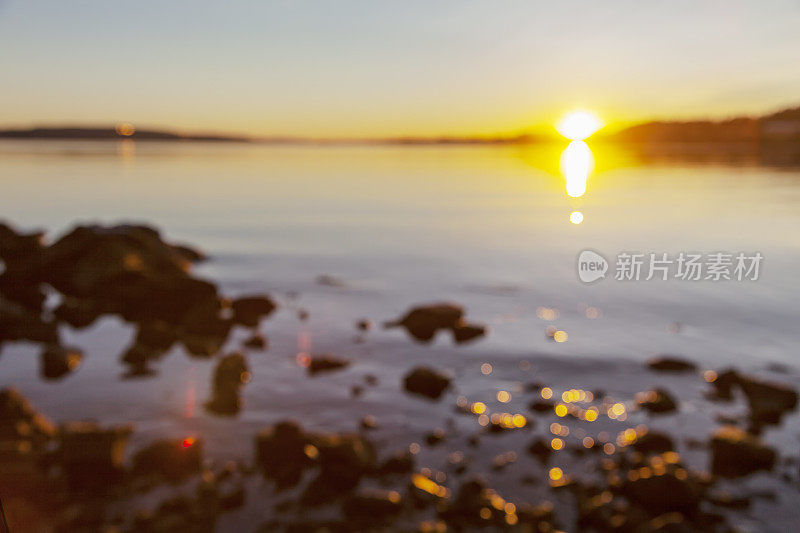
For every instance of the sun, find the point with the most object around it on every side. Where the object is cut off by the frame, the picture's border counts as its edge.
(578, 125)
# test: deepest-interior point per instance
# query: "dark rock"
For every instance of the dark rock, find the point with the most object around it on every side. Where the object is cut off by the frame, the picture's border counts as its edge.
(124, 269)
(653, 442)
(230, 374)
(426, 382)
(92, 456)
(58, 361)
(423, 322)
(256, 342)
(173, 459)
(768, 401)
(665, 493)
(283, 452)
(542, 406)
(249, 310)
(656, 401)
(540, 449)
(373, 506)
(463, 332)
(343, 460)
(330, 281)
(77, 313)
(671, 364)
(20, 422)
(735, 452)
(18, 323)
(364, 324)
(434, 437)
(399, 463)
(724, 383)
(326, 363)
(368, 422)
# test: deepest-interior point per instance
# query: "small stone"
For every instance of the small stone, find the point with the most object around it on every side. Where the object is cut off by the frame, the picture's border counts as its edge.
(256, 342)
(326, 363)
(426, 382)
(58, 361)
(656, 401)
(464, 332)
(668, 363)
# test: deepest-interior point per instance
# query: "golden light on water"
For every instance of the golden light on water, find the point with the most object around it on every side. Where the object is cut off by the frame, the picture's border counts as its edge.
(576, 217)
(578, 125)
(577, 162)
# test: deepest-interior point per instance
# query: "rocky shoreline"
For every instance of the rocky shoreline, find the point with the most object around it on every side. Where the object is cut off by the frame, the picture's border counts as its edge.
(79, 476)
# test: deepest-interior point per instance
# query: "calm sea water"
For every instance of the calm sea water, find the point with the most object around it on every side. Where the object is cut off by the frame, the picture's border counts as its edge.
(488, 227)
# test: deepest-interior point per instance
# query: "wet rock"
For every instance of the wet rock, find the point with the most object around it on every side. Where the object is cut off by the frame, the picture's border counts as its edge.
(256, 342)
(542, 406)
(326, 363)
(327, 280)
(20, 323)
(58, 361)
(724, 384)
(77, 313)
(399, 463)
(540, 449)
(249, 310)
(423, 322)
(668, 363)
(653, 442)
(374, 506)
(229, 376)
(463, 332)
(90, 455)
(20, 422)
(368, 422)
(664, 493)
(768, 401)
(434, 437)
(343, 460)
(138, 357)
(283, 452)
(656, 401)
(735, 452)
(426, 382)
(172, 459)
(124, 269)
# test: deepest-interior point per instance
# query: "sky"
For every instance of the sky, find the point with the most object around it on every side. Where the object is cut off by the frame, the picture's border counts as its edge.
(344, 68)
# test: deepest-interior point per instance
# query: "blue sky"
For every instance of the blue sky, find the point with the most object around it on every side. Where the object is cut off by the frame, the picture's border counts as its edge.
(363, 68)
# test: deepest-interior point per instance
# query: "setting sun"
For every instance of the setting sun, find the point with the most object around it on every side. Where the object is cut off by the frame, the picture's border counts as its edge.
(578, 125)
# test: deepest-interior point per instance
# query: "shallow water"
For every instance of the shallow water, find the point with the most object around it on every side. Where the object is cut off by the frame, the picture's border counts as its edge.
(487, 227)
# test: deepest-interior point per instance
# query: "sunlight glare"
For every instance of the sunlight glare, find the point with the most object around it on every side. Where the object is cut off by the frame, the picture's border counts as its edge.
(578, 125)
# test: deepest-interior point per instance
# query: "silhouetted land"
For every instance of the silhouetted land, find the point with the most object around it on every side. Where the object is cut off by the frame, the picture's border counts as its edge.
(781, 129)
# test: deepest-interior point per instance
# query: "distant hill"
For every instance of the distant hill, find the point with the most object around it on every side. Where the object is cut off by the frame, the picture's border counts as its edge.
(783, 126)
(110, 134)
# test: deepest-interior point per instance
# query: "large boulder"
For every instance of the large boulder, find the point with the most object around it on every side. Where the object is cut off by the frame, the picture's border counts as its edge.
(172, 459)
(229, 376)
(91, 455)
(734, 453)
